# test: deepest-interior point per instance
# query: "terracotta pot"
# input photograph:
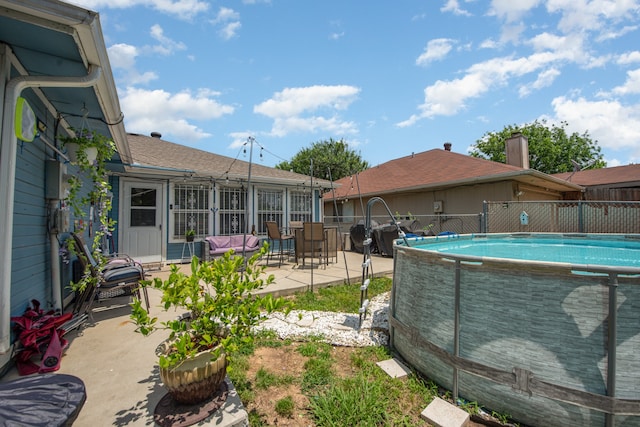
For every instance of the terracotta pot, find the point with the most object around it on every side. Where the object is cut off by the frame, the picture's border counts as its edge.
(196, 379)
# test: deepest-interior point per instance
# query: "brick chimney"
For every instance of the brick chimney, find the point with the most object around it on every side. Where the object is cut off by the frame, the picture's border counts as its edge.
(517, 150)
(447, 146)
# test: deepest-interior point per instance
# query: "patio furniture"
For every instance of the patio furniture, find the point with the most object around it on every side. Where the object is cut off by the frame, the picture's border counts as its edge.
(294, 225)
(215, 246)
(314, 242)
(274, 234)
(120, 275)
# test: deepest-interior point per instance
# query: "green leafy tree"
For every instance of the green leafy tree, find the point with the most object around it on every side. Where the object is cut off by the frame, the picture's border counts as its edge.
(327, 155)
(551, 149)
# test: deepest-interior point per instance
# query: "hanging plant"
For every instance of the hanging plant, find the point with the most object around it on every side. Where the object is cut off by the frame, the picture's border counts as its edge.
(91, 169)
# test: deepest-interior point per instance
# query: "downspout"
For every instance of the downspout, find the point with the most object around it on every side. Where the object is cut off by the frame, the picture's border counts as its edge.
(8, 152)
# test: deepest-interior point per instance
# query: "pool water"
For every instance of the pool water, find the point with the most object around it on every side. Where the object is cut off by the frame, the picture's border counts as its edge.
(572, 251)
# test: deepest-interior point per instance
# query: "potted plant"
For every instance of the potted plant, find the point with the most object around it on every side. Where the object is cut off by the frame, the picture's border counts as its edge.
(190, 234)
(83, 147)
(89, 187)
(221, 313)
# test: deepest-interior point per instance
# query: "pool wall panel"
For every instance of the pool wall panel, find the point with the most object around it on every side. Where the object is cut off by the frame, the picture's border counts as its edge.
(541, 318)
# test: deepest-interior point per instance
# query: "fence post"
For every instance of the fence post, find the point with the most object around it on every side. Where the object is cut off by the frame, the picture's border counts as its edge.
(580, 218)
(483, 217)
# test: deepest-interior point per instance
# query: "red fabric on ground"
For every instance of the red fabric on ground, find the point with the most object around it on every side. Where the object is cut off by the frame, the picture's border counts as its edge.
(39, 334)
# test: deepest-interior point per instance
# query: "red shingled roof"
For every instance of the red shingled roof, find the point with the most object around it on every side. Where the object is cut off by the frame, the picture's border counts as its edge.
(606, 176)
(437, 168)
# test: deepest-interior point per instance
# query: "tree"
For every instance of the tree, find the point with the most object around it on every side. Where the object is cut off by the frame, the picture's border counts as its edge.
(551, 150)
(327, 155)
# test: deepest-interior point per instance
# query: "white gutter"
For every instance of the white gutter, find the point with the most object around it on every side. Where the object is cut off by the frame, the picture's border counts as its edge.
(8, 154)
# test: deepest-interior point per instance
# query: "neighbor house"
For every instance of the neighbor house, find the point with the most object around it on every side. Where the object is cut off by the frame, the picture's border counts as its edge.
(619, 183)
(442, 183)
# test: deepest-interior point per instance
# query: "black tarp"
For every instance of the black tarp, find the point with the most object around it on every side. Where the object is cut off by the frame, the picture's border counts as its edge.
(41, 401)
(357, 234)
(384, 236)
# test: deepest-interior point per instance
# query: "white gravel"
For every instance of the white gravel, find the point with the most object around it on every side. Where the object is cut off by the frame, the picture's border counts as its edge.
(336, 328)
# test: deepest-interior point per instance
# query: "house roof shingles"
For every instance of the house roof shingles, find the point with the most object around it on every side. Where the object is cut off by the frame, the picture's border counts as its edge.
(154, 152)
(623, 175)
(439, 168)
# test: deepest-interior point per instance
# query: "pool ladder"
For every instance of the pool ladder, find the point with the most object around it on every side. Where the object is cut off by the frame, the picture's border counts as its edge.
(367, 271)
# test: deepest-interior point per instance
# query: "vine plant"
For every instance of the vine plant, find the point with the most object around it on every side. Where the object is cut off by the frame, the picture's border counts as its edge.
(80, 199)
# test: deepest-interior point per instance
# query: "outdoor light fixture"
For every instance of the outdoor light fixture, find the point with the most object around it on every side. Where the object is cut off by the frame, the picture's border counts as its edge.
(25, 121)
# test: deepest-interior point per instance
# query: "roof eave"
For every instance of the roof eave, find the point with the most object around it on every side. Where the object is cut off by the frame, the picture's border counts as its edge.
(90, 42)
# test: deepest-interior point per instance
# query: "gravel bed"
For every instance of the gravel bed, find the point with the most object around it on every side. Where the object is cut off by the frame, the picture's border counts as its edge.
(335, 328)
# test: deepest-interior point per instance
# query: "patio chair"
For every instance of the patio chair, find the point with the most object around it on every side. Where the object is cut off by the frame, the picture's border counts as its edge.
(314, 241)
(274, 234)
(119, 276)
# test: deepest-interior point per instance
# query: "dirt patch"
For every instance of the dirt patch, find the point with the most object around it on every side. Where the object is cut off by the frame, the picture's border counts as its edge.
(287, 361)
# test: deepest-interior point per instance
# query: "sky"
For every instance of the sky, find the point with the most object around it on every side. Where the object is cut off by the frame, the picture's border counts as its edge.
(389, 78)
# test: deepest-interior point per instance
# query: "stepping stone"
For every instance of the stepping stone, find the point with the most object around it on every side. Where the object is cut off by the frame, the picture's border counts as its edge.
(441, 413)
(394, 368)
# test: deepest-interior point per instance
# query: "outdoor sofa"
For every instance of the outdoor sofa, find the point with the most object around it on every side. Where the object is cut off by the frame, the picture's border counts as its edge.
(215, 246)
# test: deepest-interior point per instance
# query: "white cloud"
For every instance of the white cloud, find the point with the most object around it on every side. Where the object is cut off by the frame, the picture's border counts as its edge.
(629, 58)
(183, 9)
(158, 110)
(489, 44)
(512, 11)
(578, 15)
(446, 98)
(631, 85)
(228, 21)
(123, 57)
(292, 109)
(435, 50)
(615, 33)
(453, 7)
(545, 79)
(615, 126)
(167, 46)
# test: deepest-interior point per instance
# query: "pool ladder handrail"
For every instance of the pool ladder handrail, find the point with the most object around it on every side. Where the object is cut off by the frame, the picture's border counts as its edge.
(367, 271)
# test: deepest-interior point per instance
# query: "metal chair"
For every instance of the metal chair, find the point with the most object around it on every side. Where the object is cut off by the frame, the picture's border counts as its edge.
(314, 241)
(119, 276)
(274, 234)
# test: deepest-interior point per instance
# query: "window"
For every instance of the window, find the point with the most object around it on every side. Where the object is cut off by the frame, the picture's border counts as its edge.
(191, 209)
(270, 208)
(232, 210)
(143, 207)
(300, 206)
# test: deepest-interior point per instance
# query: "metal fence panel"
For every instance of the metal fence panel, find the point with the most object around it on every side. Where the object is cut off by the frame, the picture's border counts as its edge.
(563, 217)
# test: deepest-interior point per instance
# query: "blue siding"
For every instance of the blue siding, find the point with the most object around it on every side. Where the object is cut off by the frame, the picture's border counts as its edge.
(115, 210)
(30, 277)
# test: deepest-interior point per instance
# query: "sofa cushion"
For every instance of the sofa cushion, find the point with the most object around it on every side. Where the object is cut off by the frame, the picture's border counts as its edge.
(252, 241)
(218, 242)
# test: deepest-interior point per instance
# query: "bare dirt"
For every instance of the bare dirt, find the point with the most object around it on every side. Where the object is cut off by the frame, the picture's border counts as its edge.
(286, 360)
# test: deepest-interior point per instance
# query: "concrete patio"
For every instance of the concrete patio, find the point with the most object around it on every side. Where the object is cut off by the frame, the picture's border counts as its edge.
(118, 366)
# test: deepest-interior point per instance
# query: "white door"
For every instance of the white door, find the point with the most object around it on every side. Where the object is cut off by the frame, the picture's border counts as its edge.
(141, 231)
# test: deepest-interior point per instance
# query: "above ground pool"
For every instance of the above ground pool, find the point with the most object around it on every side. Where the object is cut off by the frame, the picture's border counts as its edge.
(542, 327)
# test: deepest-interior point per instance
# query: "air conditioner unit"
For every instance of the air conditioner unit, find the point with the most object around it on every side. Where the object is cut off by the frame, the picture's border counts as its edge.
(437, 206)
